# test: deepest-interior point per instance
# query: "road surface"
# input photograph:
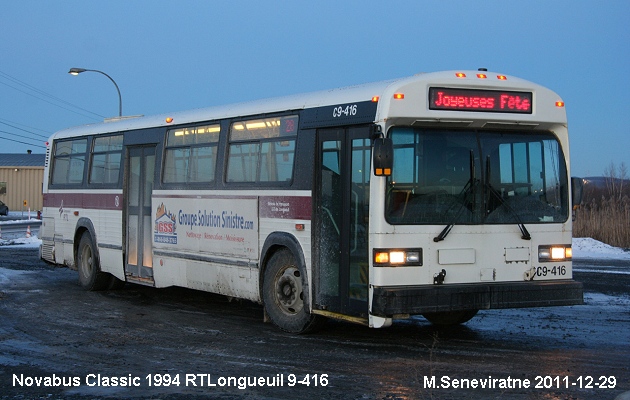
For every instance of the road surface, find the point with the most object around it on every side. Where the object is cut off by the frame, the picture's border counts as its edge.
(174, 343)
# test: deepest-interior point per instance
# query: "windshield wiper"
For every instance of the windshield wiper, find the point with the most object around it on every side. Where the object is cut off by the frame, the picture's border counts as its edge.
(467, 191)
(524, 233)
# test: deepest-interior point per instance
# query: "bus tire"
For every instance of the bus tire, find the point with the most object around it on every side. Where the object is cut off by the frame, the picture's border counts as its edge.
(90, 275)
(446, 318)
(284, 287)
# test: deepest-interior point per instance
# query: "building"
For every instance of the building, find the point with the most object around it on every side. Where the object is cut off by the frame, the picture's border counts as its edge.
(21, 180)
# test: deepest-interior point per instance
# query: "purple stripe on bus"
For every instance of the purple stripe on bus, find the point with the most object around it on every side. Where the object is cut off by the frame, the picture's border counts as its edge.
(286, 207)
(98, 201)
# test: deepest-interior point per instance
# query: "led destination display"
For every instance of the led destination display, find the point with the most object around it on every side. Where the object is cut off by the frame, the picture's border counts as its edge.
(454, 99)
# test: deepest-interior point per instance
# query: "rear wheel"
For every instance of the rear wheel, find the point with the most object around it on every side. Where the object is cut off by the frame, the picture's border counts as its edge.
(446, 318)
(284, 290)
(90, 275)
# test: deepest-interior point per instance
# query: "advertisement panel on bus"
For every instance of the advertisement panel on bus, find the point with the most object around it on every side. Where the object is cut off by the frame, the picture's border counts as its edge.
(212, 225)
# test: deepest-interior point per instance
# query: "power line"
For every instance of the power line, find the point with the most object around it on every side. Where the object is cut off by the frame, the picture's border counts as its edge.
(41, 92)
(24, 130)
(33, 88)
(47, 101)
(19, 141)
(26, 126)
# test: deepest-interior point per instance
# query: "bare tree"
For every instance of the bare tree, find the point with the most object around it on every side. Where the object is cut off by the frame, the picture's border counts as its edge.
(623, 175)
(615, 180)
(610, 173)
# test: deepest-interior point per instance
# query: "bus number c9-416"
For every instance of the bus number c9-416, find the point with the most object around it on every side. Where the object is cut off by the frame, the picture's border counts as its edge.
(554, 271)
(347, 111)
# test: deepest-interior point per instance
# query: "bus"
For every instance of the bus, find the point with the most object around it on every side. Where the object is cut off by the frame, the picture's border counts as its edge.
(439, 194)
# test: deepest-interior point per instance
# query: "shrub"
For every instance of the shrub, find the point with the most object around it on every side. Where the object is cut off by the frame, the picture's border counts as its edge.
(606, 220)
(604, 214)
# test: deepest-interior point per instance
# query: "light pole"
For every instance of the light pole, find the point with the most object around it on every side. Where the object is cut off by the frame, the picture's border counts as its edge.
(77, 71)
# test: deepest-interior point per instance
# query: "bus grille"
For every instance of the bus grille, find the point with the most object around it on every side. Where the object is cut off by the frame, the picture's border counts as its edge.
(47, 251)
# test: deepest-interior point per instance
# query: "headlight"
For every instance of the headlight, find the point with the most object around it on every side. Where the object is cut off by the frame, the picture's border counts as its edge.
(397, 257)
(551, 253)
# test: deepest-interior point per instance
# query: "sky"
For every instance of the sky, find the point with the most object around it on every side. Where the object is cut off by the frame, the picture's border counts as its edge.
(170, 56)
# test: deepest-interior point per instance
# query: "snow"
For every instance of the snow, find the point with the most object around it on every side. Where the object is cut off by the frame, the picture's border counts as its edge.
(32, 243)
(591, 248)
(20, 217)
(19, 221)
(9, 275)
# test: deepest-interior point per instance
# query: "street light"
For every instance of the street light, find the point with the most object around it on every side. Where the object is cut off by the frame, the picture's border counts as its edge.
(77, 71)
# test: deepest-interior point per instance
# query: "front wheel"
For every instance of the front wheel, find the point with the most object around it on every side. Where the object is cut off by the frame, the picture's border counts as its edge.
(447, 318)
(90, 275)
(284, 287)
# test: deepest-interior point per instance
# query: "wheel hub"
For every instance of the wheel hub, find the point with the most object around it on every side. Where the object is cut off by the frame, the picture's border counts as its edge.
(289, 290)
(86, 261)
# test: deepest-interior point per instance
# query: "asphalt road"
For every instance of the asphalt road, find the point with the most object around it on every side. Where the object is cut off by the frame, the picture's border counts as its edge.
(176, 343)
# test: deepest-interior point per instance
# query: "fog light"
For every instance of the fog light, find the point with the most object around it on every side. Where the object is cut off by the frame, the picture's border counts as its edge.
(557, 253)
(413, 257)
(381, 257)
(398, 257)
(554, 253)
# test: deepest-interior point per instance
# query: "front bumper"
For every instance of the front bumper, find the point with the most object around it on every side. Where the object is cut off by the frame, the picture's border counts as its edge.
(387, 301)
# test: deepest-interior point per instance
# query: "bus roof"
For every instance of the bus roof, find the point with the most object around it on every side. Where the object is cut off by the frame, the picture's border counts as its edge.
(343, 95)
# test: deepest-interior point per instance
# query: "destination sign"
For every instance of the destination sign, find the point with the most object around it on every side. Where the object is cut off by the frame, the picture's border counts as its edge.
(454, 99)
(339, 114)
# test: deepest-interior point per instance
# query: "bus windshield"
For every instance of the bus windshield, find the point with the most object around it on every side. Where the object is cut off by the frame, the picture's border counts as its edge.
(476, 177)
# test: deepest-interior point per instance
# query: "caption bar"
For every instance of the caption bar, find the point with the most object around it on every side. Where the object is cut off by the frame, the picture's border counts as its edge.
(174, 380)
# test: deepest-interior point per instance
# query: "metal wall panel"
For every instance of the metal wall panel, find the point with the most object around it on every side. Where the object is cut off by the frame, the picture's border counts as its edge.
(22, 183)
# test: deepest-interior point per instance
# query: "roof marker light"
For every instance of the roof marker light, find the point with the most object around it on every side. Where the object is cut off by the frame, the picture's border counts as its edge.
(502, 77)
(399, 96)
(169, 120)
(482, 76)
(460, 74)
(375, 99)
(559, 103)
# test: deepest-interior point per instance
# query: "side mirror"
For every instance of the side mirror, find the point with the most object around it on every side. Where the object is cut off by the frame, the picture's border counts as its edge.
(383, 156)
(577, 187)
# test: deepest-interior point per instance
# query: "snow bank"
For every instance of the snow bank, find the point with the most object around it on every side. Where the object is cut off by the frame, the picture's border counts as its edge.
(591, 248)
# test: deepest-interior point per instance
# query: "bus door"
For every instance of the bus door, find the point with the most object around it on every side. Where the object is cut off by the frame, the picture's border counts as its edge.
(139, 175)
(341, 252)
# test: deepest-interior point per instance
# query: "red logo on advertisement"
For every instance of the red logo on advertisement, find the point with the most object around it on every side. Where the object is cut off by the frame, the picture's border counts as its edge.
(165, 227)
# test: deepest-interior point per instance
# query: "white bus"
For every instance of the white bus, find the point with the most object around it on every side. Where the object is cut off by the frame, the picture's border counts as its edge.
(438, 195)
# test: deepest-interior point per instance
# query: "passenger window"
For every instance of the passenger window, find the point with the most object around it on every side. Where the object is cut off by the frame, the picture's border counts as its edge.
(106, 159)
(191, 154)
(262, 150)
(69, 162)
